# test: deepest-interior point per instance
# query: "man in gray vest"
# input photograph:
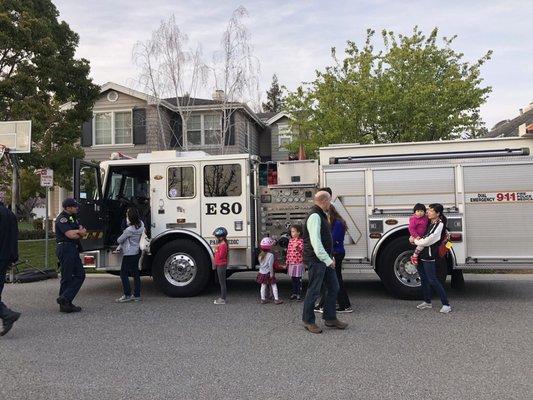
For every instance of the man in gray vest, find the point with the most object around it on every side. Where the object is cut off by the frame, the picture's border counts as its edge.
(318, 248)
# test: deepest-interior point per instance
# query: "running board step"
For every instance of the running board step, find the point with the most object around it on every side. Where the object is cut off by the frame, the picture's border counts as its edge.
(494, 266)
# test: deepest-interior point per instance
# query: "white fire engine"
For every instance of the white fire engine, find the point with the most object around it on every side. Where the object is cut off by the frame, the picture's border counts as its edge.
(485, 185)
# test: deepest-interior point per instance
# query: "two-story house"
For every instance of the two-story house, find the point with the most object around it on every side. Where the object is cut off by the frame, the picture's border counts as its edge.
(517, 126)
(131, 122)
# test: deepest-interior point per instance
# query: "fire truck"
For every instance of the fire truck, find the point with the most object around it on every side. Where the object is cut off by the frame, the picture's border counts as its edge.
(485, 186)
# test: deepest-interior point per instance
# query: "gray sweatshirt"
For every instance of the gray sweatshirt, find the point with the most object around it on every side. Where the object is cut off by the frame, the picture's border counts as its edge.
(130, 239)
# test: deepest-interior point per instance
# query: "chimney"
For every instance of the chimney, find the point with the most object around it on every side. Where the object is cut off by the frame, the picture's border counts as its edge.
(218, 95)
(526, 108)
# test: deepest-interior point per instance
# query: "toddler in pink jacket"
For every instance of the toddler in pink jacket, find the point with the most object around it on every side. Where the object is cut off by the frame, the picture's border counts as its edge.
(418, 225)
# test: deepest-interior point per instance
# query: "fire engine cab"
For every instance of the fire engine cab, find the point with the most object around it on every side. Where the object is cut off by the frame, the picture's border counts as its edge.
(485, 185)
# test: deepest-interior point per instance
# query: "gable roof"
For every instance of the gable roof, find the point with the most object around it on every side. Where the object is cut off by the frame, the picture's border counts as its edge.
(510, 128)
(277, 117)
(266, 115)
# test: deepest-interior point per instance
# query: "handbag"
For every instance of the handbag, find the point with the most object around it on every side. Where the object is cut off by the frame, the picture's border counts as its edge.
(444, 248)
(144, 243)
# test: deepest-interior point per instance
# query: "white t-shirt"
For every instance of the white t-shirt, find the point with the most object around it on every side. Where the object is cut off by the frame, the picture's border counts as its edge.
(267, 265)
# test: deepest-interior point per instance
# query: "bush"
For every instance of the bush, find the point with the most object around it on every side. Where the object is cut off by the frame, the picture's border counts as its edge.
(37, 224)
(34, 234)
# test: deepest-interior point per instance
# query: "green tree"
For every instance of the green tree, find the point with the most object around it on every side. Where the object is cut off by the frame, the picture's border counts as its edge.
(38, 73)
(417, 88)
(274, 96)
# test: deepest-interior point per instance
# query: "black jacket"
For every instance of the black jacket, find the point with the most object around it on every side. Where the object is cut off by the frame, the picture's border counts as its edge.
(9, 235)
(325, 236)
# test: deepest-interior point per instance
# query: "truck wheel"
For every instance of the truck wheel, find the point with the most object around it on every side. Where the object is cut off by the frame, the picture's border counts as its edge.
(458, 280)
(181, 268)
(397, 273)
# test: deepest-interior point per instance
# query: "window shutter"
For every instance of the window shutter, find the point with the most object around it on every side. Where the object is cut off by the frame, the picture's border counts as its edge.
(87, 133)
(139, 126)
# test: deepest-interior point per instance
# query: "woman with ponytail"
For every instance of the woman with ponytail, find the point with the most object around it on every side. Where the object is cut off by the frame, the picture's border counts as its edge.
(435, 234)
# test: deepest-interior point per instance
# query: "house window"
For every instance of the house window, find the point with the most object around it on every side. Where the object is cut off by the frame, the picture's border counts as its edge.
(180, 182)
(113, 127)
(194, 130)
(204, 130)
(222, 180)
(284, 136)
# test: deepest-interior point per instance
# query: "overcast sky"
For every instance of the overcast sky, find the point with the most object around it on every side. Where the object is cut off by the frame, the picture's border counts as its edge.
(293, 38)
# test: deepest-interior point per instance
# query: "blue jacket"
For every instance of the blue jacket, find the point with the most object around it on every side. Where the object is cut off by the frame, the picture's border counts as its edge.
(338, 232)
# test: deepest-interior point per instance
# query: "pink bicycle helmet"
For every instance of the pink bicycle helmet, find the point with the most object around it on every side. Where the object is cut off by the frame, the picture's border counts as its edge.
(267, 244)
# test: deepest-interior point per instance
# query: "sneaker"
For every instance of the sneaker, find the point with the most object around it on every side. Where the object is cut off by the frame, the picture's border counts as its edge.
(124, 299)
(219, 301)
(278, 301)
(298, 298)
(264, 301)
(414, 260)
(446, 309)
(134, 298)
(75, 308)
(293, 297)
(424, 305)
(319, 310)
(345, 310)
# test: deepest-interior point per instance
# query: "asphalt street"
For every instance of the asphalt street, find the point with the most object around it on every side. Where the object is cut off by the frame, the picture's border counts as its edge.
(165, 348)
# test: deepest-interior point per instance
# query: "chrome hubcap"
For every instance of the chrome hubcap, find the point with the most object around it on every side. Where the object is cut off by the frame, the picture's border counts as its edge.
(405, 271)
(180, 269)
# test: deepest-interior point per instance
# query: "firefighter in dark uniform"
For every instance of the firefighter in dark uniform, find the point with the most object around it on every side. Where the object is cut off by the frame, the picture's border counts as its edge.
(68, 235)
(8, 254)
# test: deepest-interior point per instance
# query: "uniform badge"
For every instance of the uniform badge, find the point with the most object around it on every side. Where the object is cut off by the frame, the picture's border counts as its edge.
(63, 220)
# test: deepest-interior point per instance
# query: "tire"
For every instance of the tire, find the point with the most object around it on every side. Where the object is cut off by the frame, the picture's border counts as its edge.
(181, 268)
(397, 273)
(458, 280)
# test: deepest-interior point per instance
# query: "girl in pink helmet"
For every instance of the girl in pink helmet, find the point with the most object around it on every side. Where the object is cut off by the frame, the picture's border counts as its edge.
(266, 276)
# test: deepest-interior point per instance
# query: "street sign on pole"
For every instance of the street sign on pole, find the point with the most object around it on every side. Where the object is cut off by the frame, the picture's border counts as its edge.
(47, 177)
(47, 181)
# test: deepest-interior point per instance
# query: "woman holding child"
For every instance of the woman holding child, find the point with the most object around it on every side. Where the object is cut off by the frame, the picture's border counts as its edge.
(435, 233)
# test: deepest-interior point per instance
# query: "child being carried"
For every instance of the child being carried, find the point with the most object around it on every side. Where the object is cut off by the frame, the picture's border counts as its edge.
(418, 225)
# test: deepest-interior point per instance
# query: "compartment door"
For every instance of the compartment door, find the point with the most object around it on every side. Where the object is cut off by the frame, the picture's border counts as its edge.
(349, 199)
(225, 201)
(498, 211)
(175, 197)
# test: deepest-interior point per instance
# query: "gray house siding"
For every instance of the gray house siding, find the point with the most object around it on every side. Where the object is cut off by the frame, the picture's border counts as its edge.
(166, 120)
(241, 120)
(278, 154)
(124, 102)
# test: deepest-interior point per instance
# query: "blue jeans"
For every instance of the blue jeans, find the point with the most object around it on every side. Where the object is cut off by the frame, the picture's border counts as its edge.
(296, 285)
(130, 266)
(428, 278)
(72, 271)
(318, 273)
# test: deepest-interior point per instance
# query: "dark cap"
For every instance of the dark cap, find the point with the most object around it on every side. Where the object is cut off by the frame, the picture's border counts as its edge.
(70, 202)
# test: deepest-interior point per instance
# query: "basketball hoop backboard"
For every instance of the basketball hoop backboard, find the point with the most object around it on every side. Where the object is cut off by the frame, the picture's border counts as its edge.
(16, 136)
